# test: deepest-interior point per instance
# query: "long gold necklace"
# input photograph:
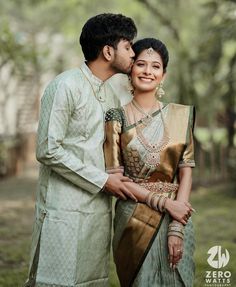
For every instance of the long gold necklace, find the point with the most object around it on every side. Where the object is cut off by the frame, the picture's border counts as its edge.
(152, 155)
(99, 98)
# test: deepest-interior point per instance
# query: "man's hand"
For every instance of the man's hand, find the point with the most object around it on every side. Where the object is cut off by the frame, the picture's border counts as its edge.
(115, 186)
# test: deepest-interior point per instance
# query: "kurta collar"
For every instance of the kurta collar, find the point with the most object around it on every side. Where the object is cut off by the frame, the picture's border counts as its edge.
(92, 78)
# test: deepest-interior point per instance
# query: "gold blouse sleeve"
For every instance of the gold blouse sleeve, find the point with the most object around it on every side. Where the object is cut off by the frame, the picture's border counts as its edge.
(188, 154)
(112, 150)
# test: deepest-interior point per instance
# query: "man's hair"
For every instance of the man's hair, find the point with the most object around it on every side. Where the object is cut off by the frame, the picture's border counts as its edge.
(157, 45)
(105, 29)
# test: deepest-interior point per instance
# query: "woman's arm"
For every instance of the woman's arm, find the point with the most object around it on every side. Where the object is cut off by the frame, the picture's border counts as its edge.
(179, 210)
(185, 179)
(175, 244)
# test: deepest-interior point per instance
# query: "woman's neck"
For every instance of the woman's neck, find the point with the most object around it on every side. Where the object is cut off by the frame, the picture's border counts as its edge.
(146, 100)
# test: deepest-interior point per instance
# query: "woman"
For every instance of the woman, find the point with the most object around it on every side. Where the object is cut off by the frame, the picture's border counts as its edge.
(151, 142)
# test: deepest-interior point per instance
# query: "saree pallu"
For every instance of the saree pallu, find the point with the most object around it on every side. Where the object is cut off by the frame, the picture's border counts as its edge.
(139, 233)
(123, 148)
(155, 269)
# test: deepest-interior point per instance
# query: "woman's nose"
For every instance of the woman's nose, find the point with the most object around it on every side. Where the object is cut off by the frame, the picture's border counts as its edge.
(147, 70)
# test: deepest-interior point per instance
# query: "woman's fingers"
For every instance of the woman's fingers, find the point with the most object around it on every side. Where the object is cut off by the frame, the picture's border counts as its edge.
(177, 255)
(183, 221)
(171, 254)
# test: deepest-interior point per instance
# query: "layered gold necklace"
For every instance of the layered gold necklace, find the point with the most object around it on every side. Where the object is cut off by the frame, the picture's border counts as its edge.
(153, 150)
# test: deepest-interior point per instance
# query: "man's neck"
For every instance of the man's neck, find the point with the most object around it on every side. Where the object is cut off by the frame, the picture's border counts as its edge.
(100, 69)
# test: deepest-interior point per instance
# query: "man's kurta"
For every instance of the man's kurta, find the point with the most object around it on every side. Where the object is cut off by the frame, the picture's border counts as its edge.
(72, 230)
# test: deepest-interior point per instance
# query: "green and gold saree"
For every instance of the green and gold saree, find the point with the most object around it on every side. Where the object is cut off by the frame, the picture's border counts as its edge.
(151, 151)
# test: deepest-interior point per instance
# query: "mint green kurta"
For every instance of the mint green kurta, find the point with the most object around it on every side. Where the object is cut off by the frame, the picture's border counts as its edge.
(72, 230)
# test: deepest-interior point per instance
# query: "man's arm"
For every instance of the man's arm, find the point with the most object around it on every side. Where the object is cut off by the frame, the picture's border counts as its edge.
(56, 109)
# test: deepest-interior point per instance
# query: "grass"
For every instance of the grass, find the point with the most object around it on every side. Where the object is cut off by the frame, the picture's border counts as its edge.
(214, 225)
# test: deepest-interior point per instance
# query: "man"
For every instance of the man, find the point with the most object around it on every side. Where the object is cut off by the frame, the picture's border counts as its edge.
(72, 230)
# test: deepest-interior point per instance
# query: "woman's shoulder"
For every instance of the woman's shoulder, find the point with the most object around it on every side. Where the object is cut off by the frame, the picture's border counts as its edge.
(180, 106)
(114, 114)
(187, 111)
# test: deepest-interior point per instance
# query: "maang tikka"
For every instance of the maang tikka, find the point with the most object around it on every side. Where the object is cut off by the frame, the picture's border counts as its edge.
(159, 90)
(150, 51)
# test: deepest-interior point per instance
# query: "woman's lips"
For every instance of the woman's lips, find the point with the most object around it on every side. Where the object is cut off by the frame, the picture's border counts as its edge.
(146, 80)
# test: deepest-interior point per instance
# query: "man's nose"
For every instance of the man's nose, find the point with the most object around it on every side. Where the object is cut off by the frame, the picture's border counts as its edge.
(132, 54)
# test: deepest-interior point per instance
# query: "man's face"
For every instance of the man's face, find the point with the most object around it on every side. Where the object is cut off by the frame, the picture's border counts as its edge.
(123, 57)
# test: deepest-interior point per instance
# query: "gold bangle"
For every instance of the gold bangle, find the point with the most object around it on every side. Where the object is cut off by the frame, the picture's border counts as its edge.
(156, 202)
(173, 233)
(160, 203)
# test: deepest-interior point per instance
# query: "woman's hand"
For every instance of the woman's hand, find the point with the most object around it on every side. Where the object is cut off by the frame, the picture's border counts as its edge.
(175, 246)
(181, 211)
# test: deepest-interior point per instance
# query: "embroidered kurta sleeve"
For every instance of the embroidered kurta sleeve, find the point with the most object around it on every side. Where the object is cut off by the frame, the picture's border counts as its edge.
(56, 139)
(188, 154)
(112, 149)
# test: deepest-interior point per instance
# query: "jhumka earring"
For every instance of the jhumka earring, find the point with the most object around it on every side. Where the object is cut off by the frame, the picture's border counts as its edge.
(159, 90)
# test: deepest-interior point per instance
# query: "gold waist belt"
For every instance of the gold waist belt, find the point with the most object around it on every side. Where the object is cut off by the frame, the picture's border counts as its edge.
(167, 189)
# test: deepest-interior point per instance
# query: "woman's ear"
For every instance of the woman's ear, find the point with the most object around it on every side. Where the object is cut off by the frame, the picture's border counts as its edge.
(108, 52)
(163, 77)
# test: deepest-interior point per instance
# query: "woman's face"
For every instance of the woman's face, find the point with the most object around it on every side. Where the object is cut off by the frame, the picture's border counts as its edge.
(147, 71)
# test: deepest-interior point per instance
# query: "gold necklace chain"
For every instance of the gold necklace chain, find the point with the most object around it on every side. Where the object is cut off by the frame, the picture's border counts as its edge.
(147, 119)
(152, 157)
(100, 99)
(141, 110)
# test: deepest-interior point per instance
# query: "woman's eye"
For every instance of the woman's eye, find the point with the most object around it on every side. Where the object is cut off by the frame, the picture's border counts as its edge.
(156, 67)
(140, 64)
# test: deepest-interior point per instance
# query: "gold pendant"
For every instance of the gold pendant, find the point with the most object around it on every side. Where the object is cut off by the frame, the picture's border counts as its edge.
(152, 159)
(147, 120)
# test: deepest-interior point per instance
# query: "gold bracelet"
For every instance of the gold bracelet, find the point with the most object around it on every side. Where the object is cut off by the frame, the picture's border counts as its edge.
(149, 197)
(176, 229)
(160, 203)
(155, 202)
(174, 233)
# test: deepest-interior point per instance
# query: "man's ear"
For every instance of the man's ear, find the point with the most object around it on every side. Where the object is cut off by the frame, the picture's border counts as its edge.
(108, 52)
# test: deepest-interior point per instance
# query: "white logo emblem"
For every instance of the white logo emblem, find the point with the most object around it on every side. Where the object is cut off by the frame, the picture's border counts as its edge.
(217, 258)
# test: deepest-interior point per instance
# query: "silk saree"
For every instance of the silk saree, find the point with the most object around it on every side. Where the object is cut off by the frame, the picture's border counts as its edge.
(140, 234)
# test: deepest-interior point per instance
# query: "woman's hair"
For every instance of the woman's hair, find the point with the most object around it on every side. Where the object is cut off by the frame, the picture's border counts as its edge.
(105, 29)
(157, 46)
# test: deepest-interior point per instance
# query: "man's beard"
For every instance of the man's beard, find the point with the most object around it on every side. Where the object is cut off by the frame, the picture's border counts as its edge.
(119, 67)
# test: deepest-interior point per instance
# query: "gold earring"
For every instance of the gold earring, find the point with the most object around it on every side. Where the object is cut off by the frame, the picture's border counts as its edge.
(130, 87)
(159, 90)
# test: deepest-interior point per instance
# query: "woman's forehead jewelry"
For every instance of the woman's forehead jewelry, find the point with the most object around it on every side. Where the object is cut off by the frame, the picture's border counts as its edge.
(150, 51)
